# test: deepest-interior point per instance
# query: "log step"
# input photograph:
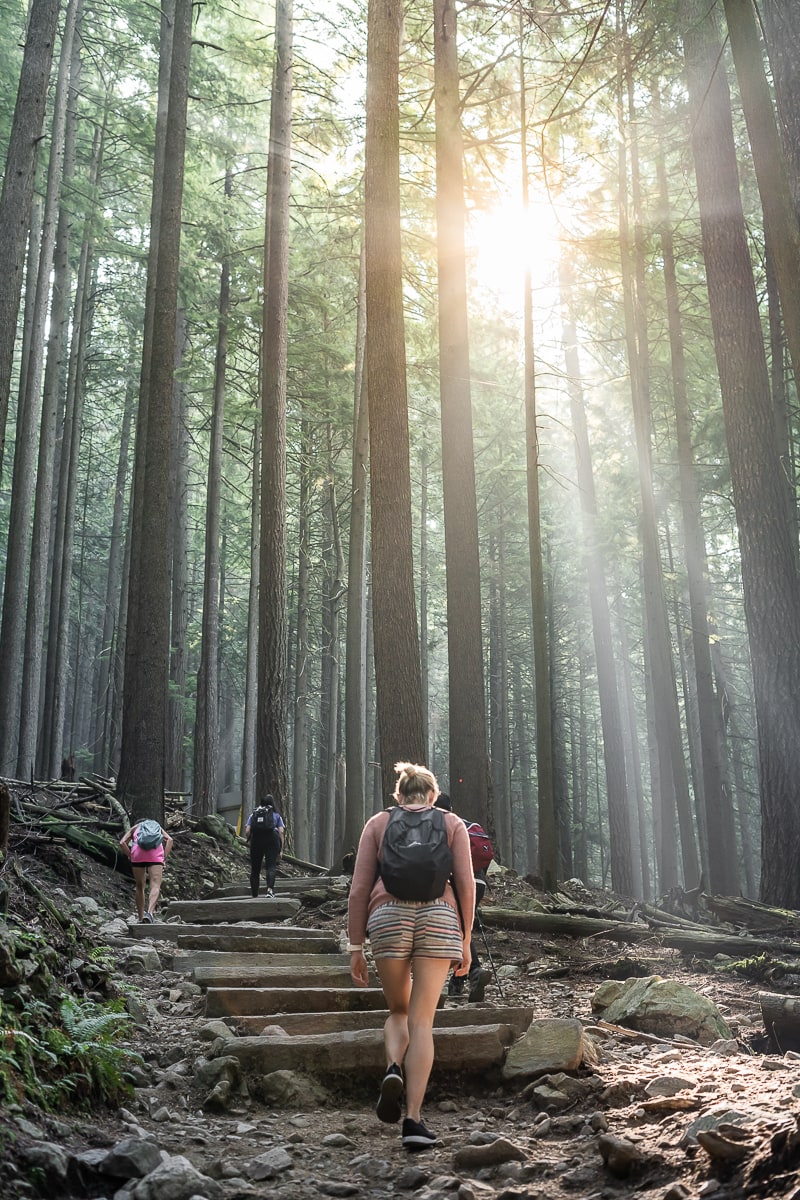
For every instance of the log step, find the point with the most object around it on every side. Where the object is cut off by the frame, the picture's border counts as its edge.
(259, 941)
(473, 1048)
(173, 931)
(454, 1017)
(239, 963)
(259, 973)
(252, 1001)
(263, 908)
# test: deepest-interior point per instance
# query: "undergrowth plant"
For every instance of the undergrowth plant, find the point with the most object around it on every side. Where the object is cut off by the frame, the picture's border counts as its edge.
(64, 1053)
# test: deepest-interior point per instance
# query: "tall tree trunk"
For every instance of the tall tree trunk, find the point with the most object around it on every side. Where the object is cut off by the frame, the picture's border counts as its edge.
(633, 755)
(206, 727)
(548, 831)
(781, 225)
(18, 183)
(12, 638)
(718, 818)
(272, 754)
(128, 632)
(102, 690)
(331, 655)
(424, 593)
(51, 400)
(55, 705)
(397, 667)
(469, 761)
(672, 765)
(301, 796)
(760, 495)
(498, 684)
(176, 766)
(782, 34)
(619, 824)
(143, 765)
(525, 855)
(355, 636)
(251, 670)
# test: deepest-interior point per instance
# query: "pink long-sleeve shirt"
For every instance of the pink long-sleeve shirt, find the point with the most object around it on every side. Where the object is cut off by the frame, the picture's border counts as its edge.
(367, 891)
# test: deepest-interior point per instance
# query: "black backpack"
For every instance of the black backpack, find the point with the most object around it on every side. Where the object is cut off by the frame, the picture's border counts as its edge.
(263, 820)
(416, 861)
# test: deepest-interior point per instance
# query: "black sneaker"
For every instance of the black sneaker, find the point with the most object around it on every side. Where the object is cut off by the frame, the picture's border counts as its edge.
(147, 918)
(456, 985)
(416, 1136)
(477, 985)
(388, 1109)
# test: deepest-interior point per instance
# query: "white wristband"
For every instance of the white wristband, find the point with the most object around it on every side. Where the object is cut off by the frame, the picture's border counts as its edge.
(355, 949)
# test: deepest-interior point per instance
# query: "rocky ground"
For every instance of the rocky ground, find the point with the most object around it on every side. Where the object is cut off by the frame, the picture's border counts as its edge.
(656, 1115)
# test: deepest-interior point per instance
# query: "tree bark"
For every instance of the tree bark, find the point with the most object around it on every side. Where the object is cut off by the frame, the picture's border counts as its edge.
(469, 760)
(760, 495)
(355, 636)
(12, 637)
(397, 665)
(620, 840)
(272, 754)
(143, 766)
(206, 727)
(18, 182)
(781, 225)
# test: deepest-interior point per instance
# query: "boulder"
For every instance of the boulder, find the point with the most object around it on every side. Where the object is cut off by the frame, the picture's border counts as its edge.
(550, 1044)
(660, 1006)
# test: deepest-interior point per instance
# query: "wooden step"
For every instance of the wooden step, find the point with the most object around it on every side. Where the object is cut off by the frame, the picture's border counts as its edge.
(263, 908)
(236, 963)
(173, 931)
(296, 886)
(473, 1048)
(256, 971)
(259, 941)
(450, 1016)
(251, 1001)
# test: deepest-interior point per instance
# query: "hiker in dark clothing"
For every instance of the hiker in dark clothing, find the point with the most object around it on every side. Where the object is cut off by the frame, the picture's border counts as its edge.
(478, 975)
(265, 832)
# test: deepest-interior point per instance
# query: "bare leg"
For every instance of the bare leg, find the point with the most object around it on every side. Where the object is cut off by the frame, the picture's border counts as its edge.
(429, 976)
(395, 977)
(156, 875)
(408, 1032)
(138, 878)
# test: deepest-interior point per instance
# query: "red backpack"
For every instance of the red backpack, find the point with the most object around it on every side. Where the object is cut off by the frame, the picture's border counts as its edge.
(480, 845)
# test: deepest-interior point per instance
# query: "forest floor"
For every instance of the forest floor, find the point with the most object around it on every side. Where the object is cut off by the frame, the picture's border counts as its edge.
(747, 1090)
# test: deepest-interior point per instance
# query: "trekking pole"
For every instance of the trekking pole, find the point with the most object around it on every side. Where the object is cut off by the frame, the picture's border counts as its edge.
(489, 954)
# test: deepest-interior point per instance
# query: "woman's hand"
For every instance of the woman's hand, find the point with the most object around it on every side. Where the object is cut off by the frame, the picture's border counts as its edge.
(462, 968)
(359, 972)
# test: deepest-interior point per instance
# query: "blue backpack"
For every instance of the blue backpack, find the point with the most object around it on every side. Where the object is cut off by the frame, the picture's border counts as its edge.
(149, 835)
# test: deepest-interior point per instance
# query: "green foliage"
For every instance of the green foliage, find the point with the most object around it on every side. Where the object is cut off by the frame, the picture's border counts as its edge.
(63, 1053)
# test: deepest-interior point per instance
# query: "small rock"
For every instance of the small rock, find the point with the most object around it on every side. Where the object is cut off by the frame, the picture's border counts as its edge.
(501, 1150)
(619, 1155)
(338, 1139)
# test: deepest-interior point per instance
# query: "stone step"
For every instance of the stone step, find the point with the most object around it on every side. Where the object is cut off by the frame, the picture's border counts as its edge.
(257, 971)
(174, 931)
(296, 886)
(263, 909)
(253, 1001)
(233, 962)
(473, 1048)
(260, 941)
(451, 1016)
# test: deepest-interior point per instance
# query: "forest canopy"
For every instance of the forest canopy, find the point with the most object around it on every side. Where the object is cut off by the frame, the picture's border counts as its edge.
(418, 382)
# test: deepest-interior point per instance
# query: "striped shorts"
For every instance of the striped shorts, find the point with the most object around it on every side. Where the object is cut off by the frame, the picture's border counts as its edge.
(411, 928)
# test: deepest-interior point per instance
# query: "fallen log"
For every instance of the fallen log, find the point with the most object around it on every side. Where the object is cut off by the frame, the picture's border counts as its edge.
(688, 941)
(758, 918)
